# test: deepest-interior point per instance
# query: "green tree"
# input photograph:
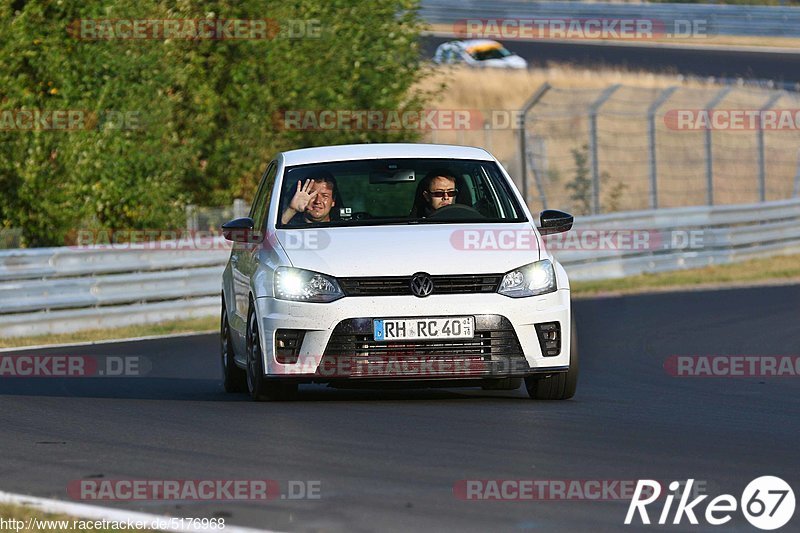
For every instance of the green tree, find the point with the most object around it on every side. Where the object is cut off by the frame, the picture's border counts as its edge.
(179, 120)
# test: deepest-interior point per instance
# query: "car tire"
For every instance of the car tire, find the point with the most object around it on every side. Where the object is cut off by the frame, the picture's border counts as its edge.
(502, 384)
(560, 386)
(260, 388)
(234, 378)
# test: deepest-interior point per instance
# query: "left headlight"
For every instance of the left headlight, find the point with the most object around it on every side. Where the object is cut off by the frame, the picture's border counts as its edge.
(305, 286)
(529, 280)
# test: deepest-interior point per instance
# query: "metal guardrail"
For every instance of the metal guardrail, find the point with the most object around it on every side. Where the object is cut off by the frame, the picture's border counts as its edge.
(685, 237)
(772, 21)
(60, 290)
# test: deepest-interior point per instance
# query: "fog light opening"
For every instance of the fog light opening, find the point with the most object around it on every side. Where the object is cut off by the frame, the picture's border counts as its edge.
(287, 345)
(549, 334)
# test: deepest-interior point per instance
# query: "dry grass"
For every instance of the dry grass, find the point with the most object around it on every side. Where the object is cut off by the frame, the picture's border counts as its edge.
(559, 125)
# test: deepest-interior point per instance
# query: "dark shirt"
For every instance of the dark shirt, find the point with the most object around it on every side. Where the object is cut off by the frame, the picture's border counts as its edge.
(298, 219)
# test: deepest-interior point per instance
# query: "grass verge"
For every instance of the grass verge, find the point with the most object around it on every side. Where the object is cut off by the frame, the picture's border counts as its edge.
(773, 270)
(29, 520)
(142, 330)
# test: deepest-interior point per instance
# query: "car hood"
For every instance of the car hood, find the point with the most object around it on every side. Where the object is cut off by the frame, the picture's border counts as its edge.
(407, 249)
(512, 61)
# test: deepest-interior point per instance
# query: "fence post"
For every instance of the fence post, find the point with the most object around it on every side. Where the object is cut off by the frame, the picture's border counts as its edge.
(532, 101)
(191, 217)
(709, 148)
(651, 135)
(762, 163)
(536, 169)
(239, 208)
(593, 110)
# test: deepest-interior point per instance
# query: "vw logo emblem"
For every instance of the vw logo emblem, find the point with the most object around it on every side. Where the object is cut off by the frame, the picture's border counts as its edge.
(421, 285)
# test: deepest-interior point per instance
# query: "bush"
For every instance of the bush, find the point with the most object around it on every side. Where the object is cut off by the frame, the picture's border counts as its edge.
(196, 115)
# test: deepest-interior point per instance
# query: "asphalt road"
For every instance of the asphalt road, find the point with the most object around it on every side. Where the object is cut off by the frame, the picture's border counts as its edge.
(389, 460)
(779, 67)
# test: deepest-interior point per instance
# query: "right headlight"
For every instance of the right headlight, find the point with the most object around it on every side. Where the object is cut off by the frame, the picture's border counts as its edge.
(529, 280)
(305, 286)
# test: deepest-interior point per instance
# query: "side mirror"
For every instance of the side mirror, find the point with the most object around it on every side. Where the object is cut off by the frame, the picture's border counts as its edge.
(553, 221)
(240, 230)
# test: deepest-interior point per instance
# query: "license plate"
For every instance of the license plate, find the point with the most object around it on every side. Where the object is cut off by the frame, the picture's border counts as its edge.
(460, 327)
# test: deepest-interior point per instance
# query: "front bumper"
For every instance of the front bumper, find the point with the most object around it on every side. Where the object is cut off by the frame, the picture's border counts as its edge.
(510, 348)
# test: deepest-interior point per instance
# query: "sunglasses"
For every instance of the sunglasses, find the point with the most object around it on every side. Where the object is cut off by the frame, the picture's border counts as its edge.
(442, 194)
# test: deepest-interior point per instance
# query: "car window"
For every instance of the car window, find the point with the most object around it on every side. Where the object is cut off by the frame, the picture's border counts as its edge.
(483, 54)
(374, 192)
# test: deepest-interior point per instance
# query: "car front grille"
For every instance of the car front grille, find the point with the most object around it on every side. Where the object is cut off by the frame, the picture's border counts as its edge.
(401, 285)
(494, 351)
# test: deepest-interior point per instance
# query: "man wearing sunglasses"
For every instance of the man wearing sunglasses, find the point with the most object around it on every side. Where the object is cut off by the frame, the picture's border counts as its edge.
(438, 190)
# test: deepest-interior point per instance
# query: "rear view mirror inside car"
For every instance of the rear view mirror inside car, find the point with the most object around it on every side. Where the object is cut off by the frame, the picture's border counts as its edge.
(397, 176)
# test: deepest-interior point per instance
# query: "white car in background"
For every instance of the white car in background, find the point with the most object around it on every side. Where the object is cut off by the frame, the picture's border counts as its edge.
(478, 53)
(392, 288)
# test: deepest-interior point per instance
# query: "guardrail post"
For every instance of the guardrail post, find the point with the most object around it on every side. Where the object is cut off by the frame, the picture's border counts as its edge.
(651, 135)
(593, 110)
(709, 148)
(532, 101)
(762, 163)
(537, 170)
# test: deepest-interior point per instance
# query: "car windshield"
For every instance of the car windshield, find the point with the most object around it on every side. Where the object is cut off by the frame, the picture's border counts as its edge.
(483, 54)
(397, 191)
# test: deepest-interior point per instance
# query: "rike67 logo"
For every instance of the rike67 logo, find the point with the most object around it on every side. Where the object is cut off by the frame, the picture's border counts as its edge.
(767, 503)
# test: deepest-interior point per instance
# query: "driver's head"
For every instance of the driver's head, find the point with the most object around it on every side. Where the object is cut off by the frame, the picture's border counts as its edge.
(439, 188)
(319, 208)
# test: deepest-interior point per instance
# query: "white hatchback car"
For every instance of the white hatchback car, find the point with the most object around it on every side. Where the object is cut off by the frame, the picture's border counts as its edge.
(478, 53)
(416, 264)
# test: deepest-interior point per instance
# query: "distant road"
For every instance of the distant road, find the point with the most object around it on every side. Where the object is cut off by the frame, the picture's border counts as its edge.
(781, 67)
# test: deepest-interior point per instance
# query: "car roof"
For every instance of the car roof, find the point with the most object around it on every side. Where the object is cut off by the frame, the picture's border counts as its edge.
(479, 43)
(347, 152)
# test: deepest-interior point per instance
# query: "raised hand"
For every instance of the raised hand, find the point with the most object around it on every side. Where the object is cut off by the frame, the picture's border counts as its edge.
(302, 196)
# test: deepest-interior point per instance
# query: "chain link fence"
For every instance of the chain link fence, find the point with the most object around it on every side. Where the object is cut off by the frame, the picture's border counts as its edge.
(621, 148)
